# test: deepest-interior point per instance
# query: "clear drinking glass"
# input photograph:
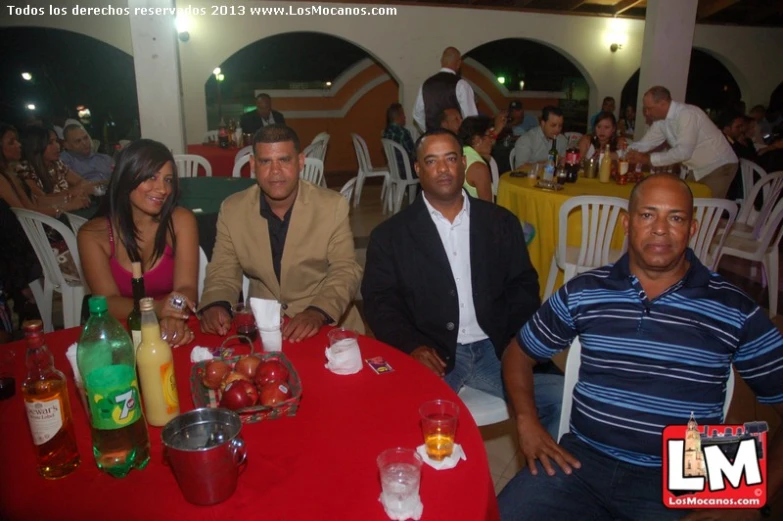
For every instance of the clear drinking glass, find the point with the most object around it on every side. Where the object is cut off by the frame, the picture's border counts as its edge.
(400, 470)
(439, 427)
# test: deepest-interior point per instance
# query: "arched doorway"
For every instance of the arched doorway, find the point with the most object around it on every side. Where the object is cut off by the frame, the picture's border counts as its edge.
(319, 82)
(67, 70)
(536, 74)
(710, 85)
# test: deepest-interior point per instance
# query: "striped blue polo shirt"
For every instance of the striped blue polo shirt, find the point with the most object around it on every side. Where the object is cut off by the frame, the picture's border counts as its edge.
(650, 363)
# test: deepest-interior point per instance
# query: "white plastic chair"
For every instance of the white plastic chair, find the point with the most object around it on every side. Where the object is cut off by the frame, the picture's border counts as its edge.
(76, 222)
(313, 171)
(599, 219)
(748, 171)
(493, 170)
(366, 169)
(512, 157)
(188, 165)
(211, 135)
(348, 189)
(398, 185)
(202, 275)
(762, 248)
(243, 152)
(749, 220)
(124, 143)
(710, 214)
(53, 279)
(485, 408)
(572, 138)
(95, 144)
(573, 363)
(239, 163)
(317, 149)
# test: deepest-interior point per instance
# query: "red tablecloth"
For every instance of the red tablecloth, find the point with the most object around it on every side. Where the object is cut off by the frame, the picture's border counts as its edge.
(318, 465)
(221, 159)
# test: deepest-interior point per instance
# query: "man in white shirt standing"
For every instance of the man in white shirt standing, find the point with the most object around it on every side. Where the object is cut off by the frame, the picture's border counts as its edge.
(442, 91)
(448, 278)
(693, 138)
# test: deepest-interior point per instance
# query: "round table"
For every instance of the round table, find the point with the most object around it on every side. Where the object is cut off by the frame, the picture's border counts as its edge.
(541, 208)
(319, 464)
(221, 159)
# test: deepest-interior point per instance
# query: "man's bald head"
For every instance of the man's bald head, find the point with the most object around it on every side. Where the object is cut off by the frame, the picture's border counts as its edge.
(451, 58)
(664, 182)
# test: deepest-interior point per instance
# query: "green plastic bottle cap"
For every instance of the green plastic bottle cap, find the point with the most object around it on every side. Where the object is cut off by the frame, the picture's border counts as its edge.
(98, 304)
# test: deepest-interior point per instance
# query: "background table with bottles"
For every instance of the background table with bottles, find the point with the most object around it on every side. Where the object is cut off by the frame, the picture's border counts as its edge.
(541, 209)
(220, 159)
(317, 465)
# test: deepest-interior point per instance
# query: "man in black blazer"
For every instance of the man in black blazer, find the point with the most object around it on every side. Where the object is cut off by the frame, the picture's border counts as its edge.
(263, 116)
(449, 280)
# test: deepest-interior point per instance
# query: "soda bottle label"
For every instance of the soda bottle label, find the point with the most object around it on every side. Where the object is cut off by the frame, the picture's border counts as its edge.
(169, 385)
(572, 157)
(113, 394)
(45, 417)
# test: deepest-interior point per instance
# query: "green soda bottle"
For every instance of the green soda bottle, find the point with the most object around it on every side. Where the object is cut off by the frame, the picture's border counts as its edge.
(107, 363)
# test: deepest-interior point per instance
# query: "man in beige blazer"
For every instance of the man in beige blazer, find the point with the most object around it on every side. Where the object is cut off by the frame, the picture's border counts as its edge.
(291, 238)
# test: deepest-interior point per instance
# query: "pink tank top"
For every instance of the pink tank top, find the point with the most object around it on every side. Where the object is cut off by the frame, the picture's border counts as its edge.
(158, 282)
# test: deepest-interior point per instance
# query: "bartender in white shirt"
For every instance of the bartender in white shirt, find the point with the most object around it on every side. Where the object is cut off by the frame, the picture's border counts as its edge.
(693, 138)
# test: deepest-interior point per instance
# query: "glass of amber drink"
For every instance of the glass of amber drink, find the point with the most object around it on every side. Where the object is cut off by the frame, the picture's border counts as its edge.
(439, 426)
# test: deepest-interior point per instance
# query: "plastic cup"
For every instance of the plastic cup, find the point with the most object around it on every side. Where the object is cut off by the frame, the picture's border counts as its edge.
(400, 471)
(439, 427)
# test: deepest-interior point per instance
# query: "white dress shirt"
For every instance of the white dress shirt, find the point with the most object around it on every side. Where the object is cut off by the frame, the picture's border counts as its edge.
(465, 97)
(694, 139)
(455, 237)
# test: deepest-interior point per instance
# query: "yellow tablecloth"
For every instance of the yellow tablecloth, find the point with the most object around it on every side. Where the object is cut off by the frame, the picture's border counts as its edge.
(540, 208)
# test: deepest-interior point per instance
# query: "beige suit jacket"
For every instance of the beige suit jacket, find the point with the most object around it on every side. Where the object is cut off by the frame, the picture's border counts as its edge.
(318, 267)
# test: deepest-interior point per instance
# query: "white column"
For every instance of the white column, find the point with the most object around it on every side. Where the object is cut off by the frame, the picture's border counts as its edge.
(666, 51)
(156, 60)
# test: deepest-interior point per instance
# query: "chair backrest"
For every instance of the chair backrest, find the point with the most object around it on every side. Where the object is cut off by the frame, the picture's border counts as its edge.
(512, 157)
(124, 143)
(33, 225)
(572, 138)
(211, 135)
(76, 222)
(749, 170)
(202, 270)
(243, 152)
(347, 189)
(362, 153)
(769, 188)
(390, 147)
(317, 149)
(599, 220)
(313, 171)
(96, 144)
(239, 163)
(188, 165)
(574, 362)
(770, 231)
(710, 214)
(493, 170)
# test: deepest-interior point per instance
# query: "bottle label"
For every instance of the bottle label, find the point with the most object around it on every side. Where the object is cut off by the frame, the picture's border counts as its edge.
(136, 334)
(169, 385)
(572, 157)
(113, 394)
(45, 417)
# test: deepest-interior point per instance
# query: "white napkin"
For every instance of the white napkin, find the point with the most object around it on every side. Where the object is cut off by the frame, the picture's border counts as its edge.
(446, 463)
(71, 355)
(412, 510)
(267, 315)
(200, 354)
(344, 357)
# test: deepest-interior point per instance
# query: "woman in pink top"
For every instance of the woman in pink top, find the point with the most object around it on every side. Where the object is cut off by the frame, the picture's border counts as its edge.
(139, 221)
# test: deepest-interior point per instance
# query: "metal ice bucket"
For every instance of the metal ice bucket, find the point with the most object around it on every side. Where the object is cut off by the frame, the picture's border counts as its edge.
(205, 452)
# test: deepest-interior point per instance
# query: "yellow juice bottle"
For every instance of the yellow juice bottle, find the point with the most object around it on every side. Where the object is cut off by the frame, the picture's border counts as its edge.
(156, 370)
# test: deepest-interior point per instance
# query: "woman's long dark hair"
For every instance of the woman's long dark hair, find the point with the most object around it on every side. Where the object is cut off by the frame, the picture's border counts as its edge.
(5, 128)
(612, 140)
(135, 164)
(34, 140)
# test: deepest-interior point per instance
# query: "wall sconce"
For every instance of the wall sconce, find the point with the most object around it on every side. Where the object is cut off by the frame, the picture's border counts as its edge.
(615, 47)
(183, 28)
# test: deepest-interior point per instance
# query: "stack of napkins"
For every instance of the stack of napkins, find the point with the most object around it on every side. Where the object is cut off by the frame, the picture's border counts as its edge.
(268, 322)
(446, 463)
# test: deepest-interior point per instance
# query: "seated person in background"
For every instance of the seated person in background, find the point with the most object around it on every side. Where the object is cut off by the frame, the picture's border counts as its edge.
(263, 116)
(478, 138)
(520, 121)
(317, 278)
(608, 105)
(450, 119)
(139, 221)
(627, 123)
(80, 158)
(733, 125)
(395, 130)
(604, 133)
(448, 280)
(657, 346)
(534, 146)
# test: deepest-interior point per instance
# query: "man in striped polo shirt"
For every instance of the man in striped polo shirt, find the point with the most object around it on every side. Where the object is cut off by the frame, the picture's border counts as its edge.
(659, 334)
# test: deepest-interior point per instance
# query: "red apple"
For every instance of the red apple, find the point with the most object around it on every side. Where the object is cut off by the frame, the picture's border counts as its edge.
(247, 365)
(238, 395)
(214, 372)
(233, 376)
(273, 393)
(271, 370)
